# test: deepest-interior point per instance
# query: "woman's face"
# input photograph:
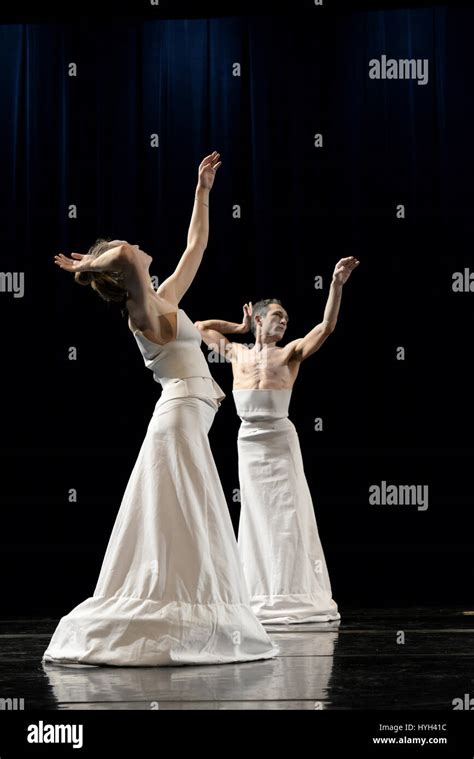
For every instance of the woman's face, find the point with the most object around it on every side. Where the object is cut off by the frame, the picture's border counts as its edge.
(144, 257)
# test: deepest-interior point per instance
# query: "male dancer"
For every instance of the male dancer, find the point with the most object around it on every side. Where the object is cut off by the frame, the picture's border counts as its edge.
(278, 539)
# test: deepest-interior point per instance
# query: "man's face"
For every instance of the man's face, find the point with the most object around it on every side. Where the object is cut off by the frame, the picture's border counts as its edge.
(275, 321)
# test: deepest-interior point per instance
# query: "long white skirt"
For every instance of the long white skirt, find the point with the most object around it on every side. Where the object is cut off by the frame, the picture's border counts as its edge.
(171, 589)
(284, 563)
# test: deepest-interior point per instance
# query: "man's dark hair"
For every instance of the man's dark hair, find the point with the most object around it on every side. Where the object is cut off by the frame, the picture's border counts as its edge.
(261, 307)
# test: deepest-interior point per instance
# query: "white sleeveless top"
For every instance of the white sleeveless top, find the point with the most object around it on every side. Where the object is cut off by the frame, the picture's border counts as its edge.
(180, 365)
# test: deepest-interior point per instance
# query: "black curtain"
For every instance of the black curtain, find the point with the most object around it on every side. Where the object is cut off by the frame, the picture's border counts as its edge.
(78, 163)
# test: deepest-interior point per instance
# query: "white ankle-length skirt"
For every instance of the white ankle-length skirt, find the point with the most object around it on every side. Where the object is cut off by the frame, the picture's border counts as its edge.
(283, 559)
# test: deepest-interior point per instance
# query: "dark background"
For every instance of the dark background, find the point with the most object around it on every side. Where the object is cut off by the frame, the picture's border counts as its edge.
(86, 141)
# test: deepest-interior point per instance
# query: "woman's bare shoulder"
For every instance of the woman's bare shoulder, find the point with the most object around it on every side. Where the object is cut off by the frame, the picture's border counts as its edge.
(157, 317)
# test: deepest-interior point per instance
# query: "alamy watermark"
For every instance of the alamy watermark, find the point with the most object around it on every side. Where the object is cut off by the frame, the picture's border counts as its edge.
(466, 703)
(463, 281)
(399, 495)
(12, 704)
(13, 282)
(219, 354)
(404, 68)
(46, 733)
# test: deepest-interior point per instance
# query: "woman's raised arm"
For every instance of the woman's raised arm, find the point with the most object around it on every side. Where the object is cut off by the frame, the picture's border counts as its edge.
(174, 287)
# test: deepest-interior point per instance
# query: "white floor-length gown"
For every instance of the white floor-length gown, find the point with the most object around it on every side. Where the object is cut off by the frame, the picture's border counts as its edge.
(171, 589)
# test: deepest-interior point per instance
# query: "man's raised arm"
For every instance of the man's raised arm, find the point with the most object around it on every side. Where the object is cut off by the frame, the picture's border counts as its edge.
(213, 331)
(310, 343)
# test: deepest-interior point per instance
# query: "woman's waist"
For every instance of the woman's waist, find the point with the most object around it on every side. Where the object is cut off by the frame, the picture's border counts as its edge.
(193, 385)
(178, 359)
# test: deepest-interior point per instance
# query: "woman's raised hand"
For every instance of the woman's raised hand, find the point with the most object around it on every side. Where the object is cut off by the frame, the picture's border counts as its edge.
(82, 262)
(207, 170)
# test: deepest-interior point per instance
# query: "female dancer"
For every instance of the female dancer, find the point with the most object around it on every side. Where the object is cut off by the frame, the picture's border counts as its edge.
(171, 588)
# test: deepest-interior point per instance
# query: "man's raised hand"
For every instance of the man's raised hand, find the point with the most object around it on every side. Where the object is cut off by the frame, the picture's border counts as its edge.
(344, 269)
(247, 318)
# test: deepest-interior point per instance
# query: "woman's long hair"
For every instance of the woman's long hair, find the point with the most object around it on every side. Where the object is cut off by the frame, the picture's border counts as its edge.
(108, 284)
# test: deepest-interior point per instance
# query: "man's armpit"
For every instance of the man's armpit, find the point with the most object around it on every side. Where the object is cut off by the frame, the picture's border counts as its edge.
(293, 353)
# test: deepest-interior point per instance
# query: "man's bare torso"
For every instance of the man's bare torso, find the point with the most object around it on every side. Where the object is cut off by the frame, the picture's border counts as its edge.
(266, 368)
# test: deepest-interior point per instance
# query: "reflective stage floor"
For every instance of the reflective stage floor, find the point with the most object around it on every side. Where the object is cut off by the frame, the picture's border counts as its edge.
(416, 658)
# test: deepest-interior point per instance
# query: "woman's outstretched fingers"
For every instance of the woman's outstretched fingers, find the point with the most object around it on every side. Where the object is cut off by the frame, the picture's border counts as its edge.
(65, 263)
(208, 158)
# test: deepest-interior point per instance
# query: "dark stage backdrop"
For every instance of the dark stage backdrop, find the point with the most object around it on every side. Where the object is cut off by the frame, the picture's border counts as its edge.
(320, 161)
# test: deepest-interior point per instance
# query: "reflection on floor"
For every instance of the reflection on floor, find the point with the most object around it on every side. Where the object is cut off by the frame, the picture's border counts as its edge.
(415, 658)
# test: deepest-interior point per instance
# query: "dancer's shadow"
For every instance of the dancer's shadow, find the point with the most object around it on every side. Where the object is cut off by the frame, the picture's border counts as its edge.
(300, 674)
